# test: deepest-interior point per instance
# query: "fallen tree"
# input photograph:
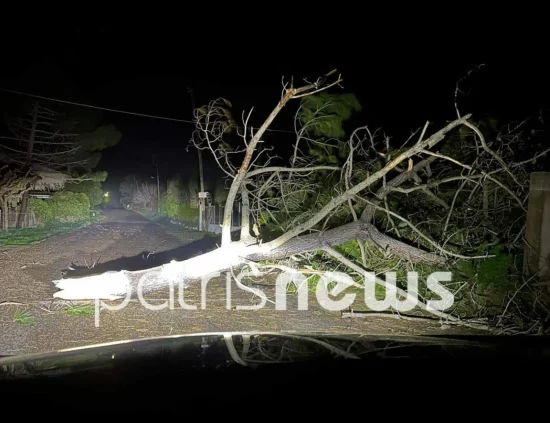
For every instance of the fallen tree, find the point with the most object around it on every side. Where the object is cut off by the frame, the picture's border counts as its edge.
(360, 191)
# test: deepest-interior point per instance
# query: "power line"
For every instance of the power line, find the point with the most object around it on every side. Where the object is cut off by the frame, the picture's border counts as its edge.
(117, 110)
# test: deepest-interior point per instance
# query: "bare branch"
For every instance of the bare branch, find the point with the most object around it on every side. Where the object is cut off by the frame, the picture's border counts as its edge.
(491, 152)
(419, 232)
(253, 173)
(436, 183)
(496, 181)
(430, 142)
(251, 147)
(399, 291)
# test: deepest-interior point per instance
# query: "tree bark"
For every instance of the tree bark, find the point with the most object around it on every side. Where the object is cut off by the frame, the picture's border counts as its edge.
(23, 210)
(368, 212)
(4, 219)
(356, 230)
(25, 199)
(114, 285)
(241, 174)
(245, 214)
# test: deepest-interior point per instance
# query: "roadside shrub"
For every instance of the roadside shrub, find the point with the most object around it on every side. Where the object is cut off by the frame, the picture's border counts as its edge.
(171, 206)
(62, 207)
(42, 210)
(491, 271)
(91, 187)
(174, 209)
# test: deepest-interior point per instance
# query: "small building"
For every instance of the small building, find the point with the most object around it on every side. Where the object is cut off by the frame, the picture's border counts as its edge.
(50, 182)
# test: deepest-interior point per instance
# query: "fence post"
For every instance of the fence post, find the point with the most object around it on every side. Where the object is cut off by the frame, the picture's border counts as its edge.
(537, 228)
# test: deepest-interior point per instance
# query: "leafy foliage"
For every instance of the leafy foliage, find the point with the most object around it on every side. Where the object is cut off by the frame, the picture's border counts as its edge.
(326, 113)
(176, 203)
(322, 117)
(64, 140)
(475, 217)
(92, 188)
(181, 212)
(487, 272)
(93, 142)
(495, 270)
(62, 207)
(99, 139)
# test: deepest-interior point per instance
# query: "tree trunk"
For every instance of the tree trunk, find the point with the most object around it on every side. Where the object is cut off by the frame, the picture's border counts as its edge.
(24, 201)
(242, 173)
(4, 216)
(23, 210)
(245, 214)
(114, 285)
(357, 230)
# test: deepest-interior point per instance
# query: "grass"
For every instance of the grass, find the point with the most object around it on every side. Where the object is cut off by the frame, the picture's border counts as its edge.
(79, 310)
(30, 236)
(24, 317)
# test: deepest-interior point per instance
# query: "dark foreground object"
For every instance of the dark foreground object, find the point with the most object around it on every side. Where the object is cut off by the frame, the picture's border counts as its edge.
(310, 373)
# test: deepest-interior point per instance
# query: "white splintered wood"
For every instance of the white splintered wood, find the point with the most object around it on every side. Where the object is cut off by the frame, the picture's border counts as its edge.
(107, 286)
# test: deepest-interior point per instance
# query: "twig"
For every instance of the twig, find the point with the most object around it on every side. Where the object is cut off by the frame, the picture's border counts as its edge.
(402, 293)
(342, 198)
(418, 231)
(511, 299)
(398, 316)
(491, 152)
(496, 181)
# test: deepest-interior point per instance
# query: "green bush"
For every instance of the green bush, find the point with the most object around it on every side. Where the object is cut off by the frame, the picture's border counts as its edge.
(62, 207)
(176, 210)
(488, 272)
(170, 206)
(91, 188)
(42, 210)
(495, 270)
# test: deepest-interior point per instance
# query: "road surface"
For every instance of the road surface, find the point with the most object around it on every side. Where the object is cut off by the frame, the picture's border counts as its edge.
(128, 240)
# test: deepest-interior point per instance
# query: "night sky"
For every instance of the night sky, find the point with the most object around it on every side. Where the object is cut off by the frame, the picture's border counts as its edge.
(150, 73)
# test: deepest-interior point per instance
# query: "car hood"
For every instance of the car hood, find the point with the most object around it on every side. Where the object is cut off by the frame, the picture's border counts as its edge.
(214, 350)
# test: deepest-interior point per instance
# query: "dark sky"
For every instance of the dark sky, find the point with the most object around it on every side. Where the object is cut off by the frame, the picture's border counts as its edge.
(149, 73)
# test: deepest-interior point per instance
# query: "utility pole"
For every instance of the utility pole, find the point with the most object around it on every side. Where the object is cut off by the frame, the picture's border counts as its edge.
(155, 163)
(201, 178)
